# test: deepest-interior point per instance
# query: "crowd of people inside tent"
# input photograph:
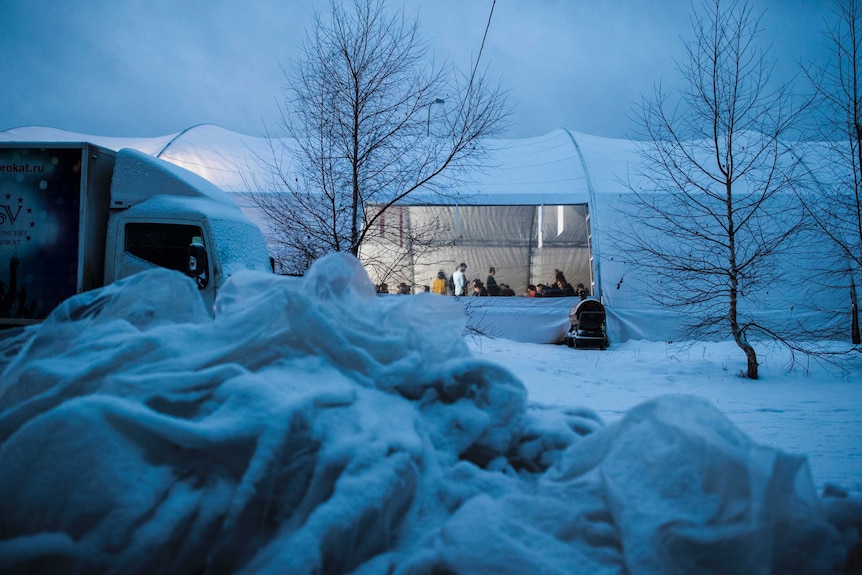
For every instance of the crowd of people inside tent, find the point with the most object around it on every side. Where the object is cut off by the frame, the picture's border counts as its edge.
(457, 285)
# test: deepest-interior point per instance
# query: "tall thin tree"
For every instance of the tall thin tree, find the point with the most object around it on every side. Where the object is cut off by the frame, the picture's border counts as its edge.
(367, 119)
(837, 208)
(714, 214)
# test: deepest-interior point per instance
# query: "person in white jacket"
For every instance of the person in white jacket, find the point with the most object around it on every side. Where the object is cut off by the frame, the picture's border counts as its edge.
(460, 279)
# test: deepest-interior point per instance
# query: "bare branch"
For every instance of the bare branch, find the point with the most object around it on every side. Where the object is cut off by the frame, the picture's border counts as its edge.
(356, 136)
(715, 215)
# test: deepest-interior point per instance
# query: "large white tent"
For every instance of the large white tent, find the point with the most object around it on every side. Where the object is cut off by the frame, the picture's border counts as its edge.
(551, 201)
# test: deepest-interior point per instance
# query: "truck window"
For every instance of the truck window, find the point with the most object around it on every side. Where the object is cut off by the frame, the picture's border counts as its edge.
(165, 245)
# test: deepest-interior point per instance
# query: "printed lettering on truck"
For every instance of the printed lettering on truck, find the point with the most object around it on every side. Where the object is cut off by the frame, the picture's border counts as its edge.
(39, 223)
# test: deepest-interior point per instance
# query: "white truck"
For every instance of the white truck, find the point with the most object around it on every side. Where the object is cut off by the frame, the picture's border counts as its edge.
(76, 216)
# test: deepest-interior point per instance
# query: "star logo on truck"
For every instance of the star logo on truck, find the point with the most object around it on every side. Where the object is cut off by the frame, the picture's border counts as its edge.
(12, 231)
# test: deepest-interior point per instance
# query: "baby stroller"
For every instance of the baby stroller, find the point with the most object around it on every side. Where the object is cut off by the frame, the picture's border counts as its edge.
(588, 325)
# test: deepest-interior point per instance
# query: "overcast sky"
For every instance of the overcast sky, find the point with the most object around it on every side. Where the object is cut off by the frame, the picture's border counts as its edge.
(155, 67)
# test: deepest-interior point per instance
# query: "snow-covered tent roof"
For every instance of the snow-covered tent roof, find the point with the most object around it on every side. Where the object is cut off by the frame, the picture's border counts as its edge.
(561, 167)
(212, 152)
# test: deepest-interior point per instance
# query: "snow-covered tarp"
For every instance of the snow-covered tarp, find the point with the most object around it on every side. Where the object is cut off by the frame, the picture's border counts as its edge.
(531, 320)
(547, 319)
(314, 427)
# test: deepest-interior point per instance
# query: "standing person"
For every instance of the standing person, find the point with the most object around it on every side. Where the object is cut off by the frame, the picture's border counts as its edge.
(491, 283)
(439, 285)
(459, 279)
(558, 276)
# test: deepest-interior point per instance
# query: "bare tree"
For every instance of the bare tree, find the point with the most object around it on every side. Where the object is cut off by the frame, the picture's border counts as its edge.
(837, 208)
(715, 214)
(364, 124)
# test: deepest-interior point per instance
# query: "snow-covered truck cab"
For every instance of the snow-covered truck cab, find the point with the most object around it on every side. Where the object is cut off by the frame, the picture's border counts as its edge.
(75, 217)
(163, 215)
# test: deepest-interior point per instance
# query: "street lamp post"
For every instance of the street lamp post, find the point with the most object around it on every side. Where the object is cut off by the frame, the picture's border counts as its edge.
(428, 123)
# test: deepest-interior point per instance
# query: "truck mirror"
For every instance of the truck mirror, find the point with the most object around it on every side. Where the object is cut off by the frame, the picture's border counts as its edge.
(198, 262)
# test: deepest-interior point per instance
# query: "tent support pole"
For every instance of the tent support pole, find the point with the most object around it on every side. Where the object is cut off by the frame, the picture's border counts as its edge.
(592, 222)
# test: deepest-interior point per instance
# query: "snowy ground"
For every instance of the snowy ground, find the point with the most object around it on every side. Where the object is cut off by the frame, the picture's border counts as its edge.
(813, 409)
(315, 427)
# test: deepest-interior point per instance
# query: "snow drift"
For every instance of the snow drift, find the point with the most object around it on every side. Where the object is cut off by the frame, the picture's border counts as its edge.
(314, 427)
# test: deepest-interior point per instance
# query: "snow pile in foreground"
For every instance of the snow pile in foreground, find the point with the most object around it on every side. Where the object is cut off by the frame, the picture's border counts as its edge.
(313, 427)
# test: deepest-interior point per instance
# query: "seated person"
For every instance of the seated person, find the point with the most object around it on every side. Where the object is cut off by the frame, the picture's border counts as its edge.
(561, 289)
(565, 288)
(581, 291)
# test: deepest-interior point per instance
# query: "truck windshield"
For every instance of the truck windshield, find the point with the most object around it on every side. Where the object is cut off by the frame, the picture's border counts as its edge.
(241, 246)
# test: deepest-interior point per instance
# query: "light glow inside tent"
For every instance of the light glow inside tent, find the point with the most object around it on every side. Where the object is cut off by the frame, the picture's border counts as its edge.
(519, 241)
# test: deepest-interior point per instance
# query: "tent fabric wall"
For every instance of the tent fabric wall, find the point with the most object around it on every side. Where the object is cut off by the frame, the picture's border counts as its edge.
(561, 168)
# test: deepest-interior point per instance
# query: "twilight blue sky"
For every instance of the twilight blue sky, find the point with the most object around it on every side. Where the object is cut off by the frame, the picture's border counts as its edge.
(154, 67)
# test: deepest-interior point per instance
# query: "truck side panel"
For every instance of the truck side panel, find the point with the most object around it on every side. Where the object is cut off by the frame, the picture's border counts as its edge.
(41, 197)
